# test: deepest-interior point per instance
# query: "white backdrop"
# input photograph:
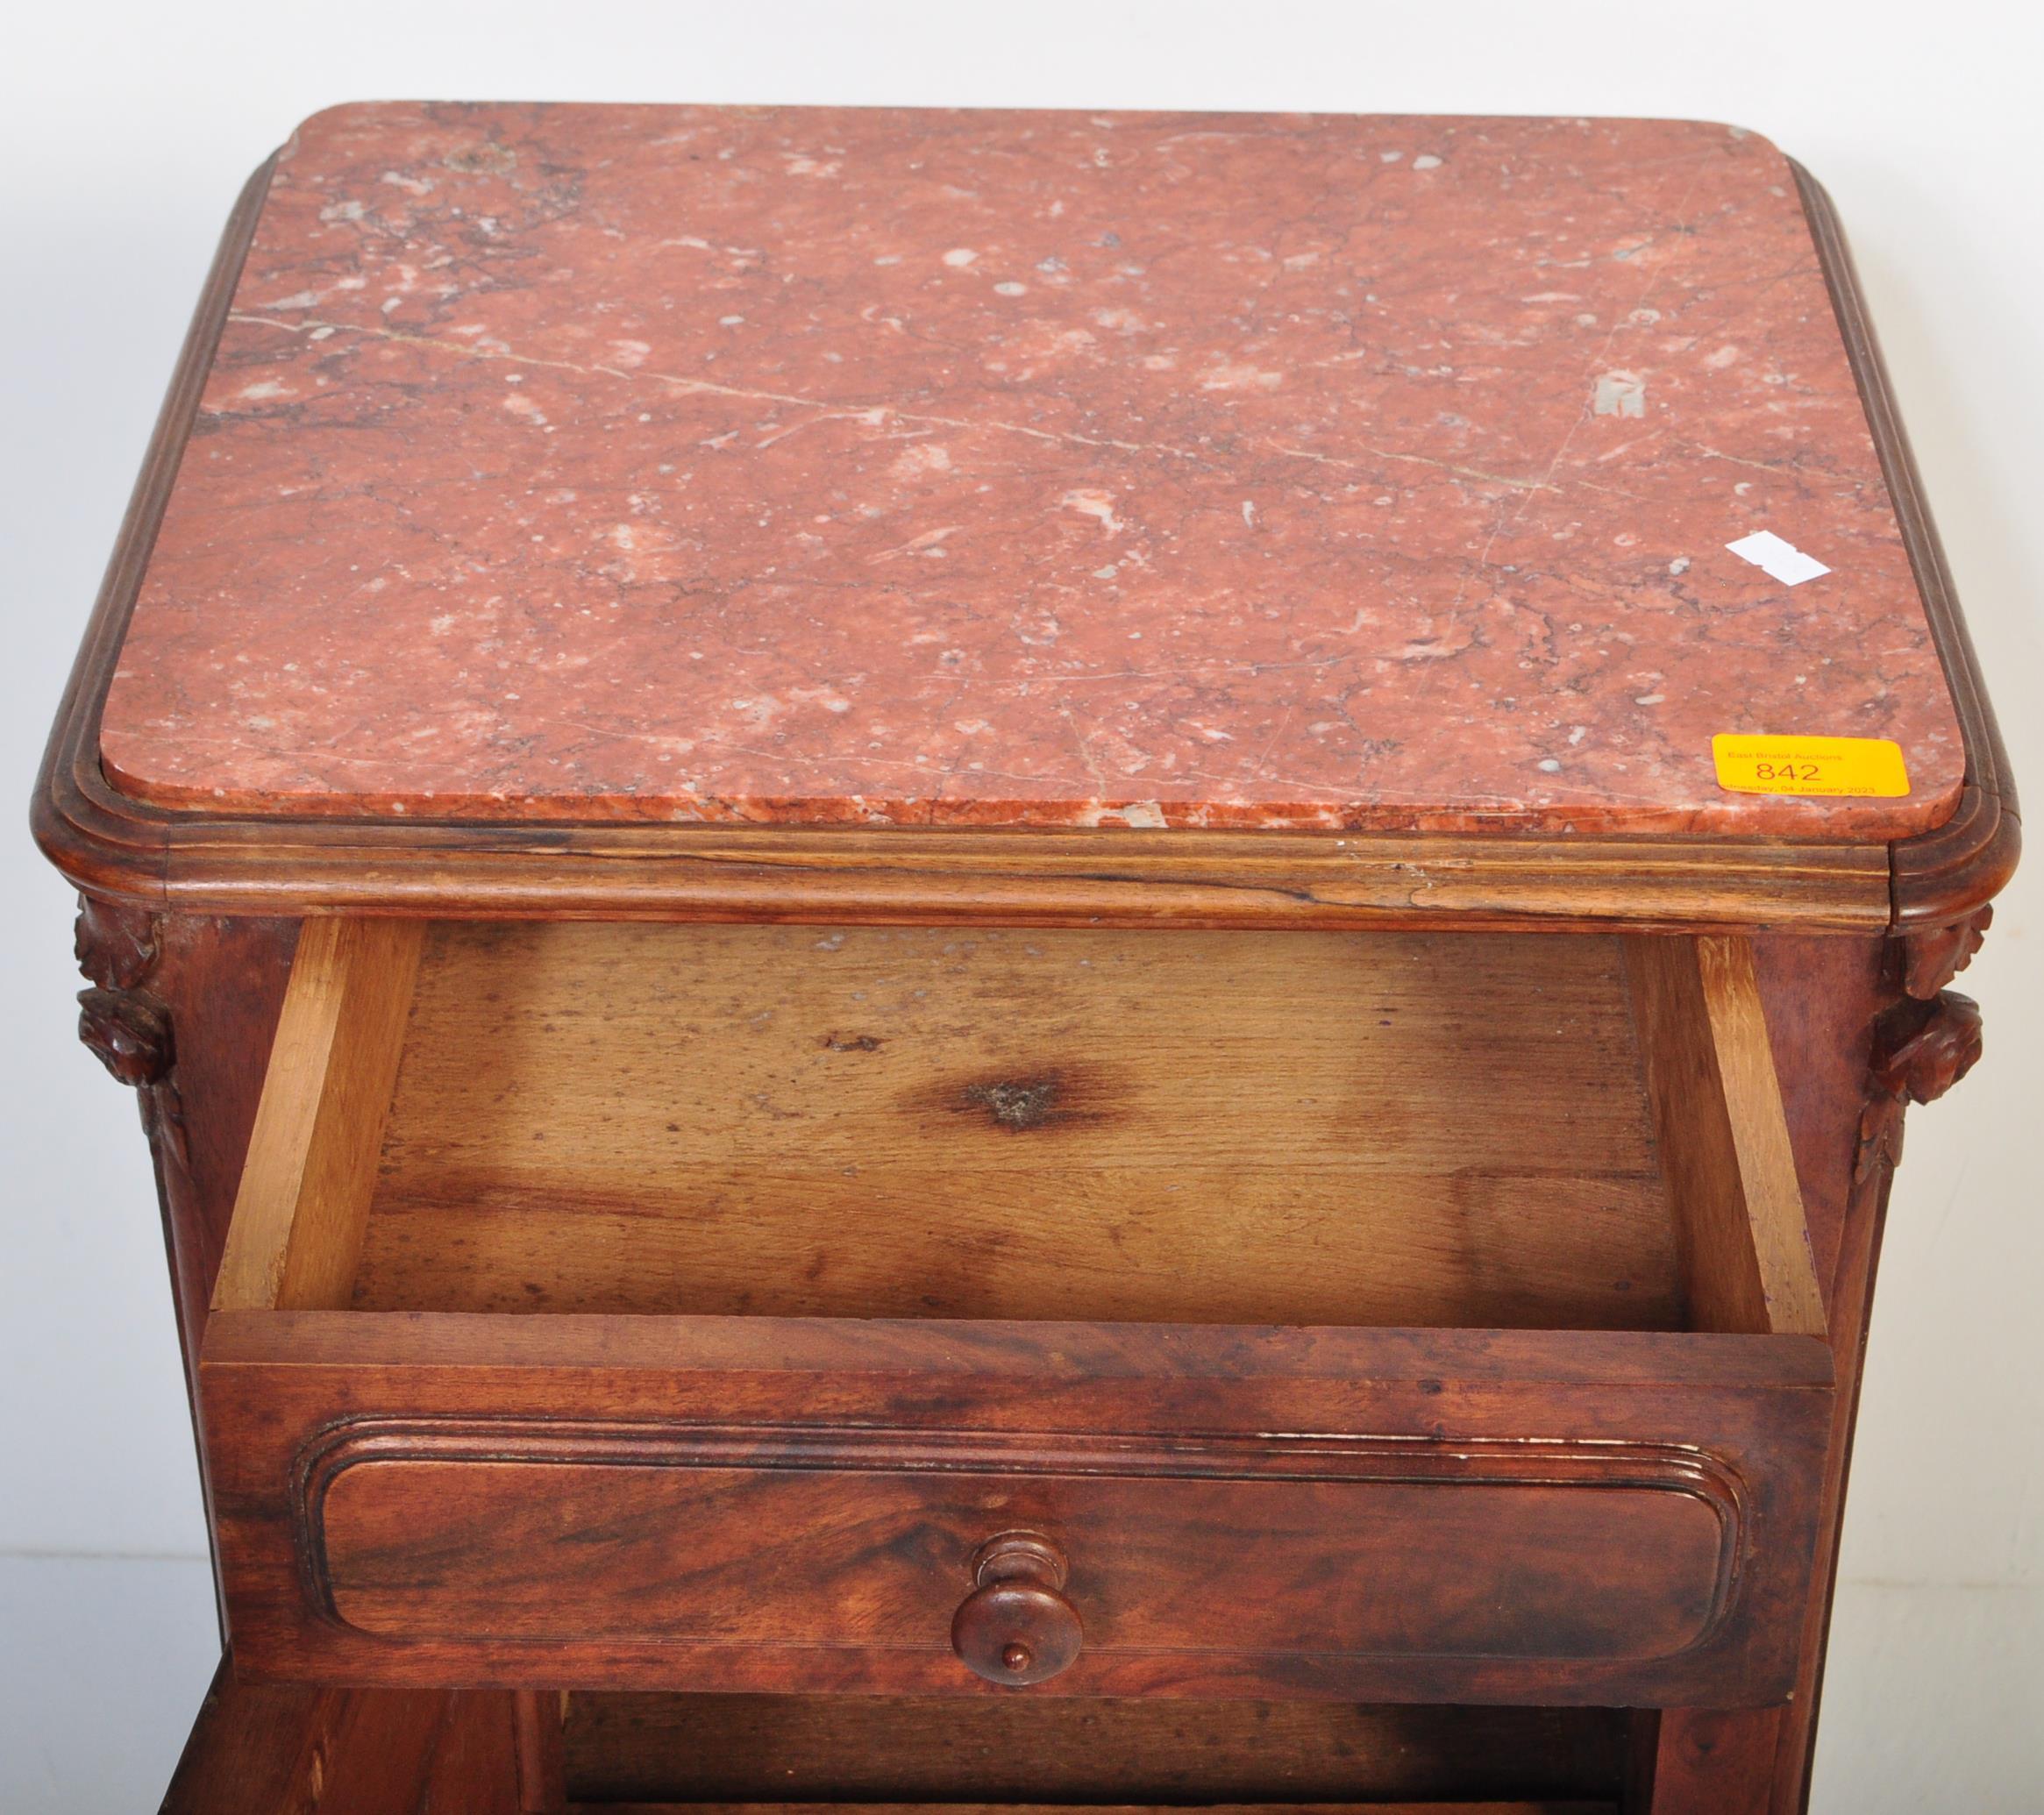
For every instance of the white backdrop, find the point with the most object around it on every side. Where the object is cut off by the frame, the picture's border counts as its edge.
(126, 129)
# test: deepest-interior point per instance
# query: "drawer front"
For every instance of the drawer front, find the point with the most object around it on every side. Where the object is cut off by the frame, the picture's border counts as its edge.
(773, 1545)
(768, 1504)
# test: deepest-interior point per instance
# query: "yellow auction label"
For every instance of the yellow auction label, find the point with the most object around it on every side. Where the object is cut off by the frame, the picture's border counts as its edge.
(1754, 765)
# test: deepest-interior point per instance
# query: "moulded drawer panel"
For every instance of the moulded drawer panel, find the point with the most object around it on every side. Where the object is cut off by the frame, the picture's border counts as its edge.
(864, 1544)
(766, 1503)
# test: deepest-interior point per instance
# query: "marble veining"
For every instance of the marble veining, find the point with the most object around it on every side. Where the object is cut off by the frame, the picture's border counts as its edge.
(861, 466)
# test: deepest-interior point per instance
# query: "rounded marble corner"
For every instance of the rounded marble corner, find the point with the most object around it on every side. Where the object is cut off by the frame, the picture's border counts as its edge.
(335, 117)
(1742, 135)
(137, 786)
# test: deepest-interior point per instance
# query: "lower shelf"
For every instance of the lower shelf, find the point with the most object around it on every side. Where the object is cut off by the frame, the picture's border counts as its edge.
(1512, 1808)
(257, 1749)
(1022, 1751)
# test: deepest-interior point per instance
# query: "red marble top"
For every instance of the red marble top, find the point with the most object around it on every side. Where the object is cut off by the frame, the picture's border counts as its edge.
(836, 465)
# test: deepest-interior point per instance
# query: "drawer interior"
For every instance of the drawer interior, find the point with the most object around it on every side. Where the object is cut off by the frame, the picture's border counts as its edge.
(843, 1253)
(1577, 1132)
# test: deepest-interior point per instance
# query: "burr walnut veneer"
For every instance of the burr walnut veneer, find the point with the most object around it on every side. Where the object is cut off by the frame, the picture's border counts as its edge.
(943, 991)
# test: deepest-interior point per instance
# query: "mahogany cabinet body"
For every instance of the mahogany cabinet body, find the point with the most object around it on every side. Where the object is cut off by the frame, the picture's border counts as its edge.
(1109, 1311)
(1448, 1557)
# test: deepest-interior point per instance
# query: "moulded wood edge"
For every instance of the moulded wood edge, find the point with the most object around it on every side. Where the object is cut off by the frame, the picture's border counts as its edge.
(1953, 870)
(1045, 1353)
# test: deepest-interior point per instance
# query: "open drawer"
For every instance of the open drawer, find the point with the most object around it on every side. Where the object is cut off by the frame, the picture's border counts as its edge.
(1400, 1317)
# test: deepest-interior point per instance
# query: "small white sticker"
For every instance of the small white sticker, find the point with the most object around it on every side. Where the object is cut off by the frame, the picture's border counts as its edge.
(1620, 394)
(1777, 559)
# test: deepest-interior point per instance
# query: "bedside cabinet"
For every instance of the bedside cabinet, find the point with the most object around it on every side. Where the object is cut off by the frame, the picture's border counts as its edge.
(1024, 960)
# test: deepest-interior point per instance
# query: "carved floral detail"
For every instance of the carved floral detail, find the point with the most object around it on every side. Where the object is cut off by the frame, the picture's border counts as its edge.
(129, 1033)
(127, 1029)
(1942, 1045)
(1931, 960)
(1924, 1043)
(1920, 1050)
(116, 946)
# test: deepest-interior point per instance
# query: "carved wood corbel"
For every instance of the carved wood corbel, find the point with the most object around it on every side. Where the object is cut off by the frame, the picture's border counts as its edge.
(1931, 959)
(125, 1027)
(1924, 1043)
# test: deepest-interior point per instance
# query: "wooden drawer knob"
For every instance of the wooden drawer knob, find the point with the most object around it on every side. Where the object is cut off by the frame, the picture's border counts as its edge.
(1016, 1626)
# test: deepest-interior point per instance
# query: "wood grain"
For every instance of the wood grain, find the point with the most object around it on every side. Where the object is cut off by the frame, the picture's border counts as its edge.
(1327, 1551)
(1374, 1808)
(751, 1749)
(1201, 1127)
(303, 1205)
(255, 1750)
(1845, 1018)
(1716, 1762)
(536, 1723)
(263, 1750)
(1039, 1415)
(217, 987)
(1739, 1229)
(1772, 1196)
